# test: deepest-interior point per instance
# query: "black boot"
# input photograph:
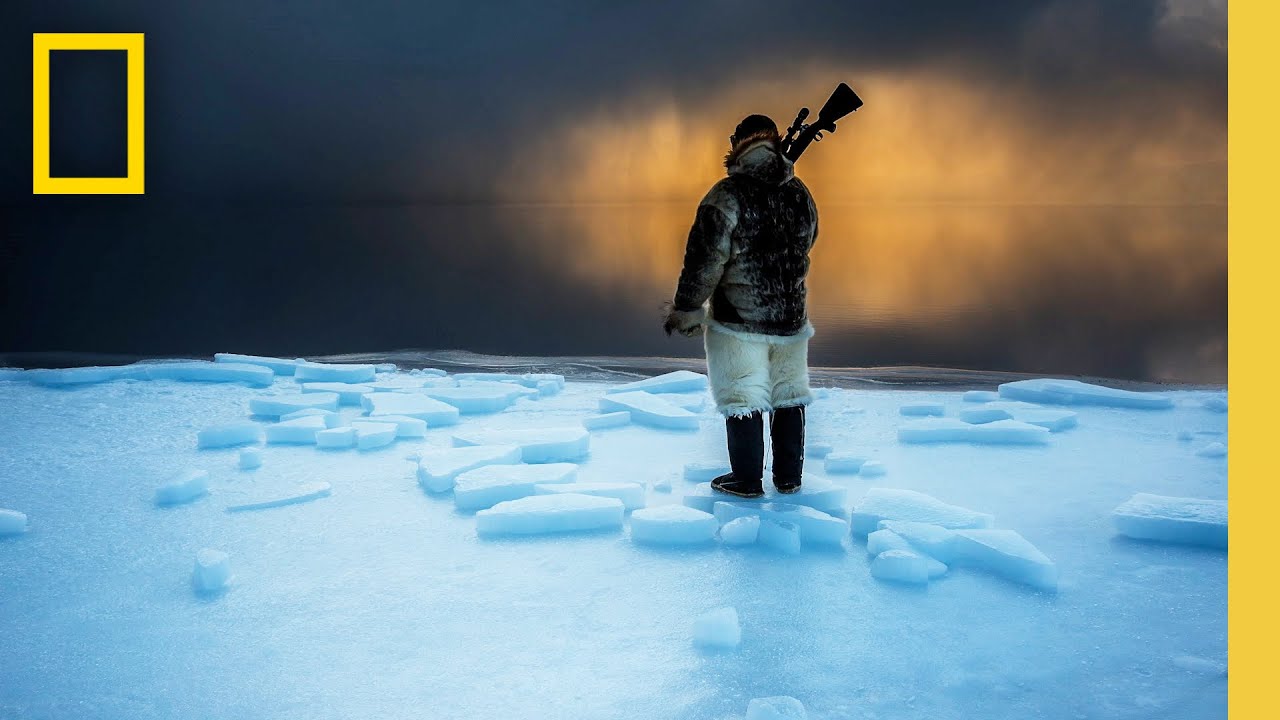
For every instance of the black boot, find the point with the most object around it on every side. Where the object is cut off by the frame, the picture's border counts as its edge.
(746, 457)
(786, 428)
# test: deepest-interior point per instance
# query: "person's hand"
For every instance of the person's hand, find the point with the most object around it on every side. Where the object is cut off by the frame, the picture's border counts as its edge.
(685, 322)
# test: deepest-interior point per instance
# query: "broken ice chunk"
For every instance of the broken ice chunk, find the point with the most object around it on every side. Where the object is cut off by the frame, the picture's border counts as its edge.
(922, 409)
(815, 526)
(717, 629)
(1075, 392)
(817, 451)
(12, 522)
(817, 493)
(348, 393)
(406, 427)
(980, 396)
(229, 435)
(673, 525)
(537, 444)
(1218, 404)
(486, 486)
(699, 472)
(438, 467)
(540, 514)
(872, 468)
(650, 410)
(902, 566)
(672, 382)
(333, 372)
(277, 405)
(299, 431)
(212, 571)
(250, 458)
(430, 410)
(933, 540)
(473, 400)
(779, 535)
(279, 366)
(894, 504)
(741, 531)
(338, 438)
(1187, 521)
(631, 494)
(308, 412)
(183, 488)
(953, 430)
(782, 707)
(607, 420)
(884, 540)
(1007, 554)
(370, 435)
(844, 463)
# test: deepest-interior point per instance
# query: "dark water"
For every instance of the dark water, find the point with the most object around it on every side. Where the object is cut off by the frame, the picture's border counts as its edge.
(1120, 292)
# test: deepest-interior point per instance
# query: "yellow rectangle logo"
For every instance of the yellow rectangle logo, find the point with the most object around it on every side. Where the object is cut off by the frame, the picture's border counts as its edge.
(41, 45)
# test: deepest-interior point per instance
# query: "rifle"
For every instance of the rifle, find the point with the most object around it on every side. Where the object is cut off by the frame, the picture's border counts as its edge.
(842, 102)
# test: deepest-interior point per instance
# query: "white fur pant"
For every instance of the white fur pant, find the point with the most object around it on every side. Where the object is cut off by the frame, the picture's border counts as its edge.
(756, 372)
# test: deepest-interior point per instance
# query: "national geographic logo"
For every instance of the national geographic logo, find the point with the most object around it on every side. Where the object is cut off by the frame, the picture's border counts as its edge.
(41, 45)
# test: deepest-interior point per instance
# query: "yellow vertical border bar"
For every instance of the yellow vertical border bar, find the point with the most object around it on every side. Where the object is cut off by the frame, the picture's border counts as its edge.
(135, 61)
(1254, 488)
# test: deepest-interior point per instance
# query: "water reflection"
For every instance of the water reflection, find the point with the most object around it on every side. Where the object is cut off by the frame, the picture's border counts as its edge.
(1121, 292)
(1112, 291)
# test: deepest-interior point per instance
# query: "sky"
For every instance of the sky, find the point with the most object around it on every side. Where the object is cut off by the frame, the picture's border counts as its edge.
(343, 104)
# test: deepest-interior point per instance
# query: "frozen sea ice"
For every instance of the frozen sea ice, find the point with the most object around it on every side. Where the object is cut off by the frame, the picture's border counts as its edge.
(212, 571)
(12, 522)
(673, 525)
(718, 629)
(183, 488)
(543, 514)
(1186, 521)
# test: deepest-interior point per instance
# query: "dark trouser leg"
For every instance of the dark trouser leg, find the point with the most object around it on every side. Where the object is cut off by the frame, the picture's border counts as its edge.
(746, 456)
(786, 429)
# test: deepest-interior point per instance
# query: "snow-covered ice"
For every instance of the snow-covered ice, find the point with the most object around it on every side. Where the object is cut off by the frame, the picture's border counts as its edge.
(900, 504)
(650, 410)
(305, 492)
(184, 487)
(240, 432)
(781, 707)
(537, 444)
(211, 572)
(557, 625)
(12, 522)
(439, 467)
(547, 514)
(673, 525)
(277, 405)
(718, 629)
(1187, 521)
(488, 485)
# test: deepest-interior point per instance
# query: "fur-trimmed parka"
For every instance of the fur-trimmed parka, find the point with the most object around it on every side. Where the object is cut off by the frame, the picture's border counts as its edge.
(748, 250)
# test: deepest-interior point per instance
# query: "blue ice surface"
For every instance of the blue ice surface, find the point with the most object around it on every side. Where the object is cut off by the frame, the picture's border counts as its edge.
(491, 398)
(334, 372)
(381, 580)
(1189, 521)
(673, 525)
(280, 366)
(1076, 392)
(672, 382)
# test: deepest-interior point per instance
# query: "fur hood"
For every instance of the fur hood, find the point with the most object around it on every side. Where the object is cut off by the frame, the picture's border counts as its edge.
(759, 157)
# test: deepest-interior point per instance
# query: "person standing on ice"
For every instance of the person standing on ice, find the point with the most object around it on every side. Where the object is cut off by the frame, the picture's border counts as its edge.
(743, 287)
